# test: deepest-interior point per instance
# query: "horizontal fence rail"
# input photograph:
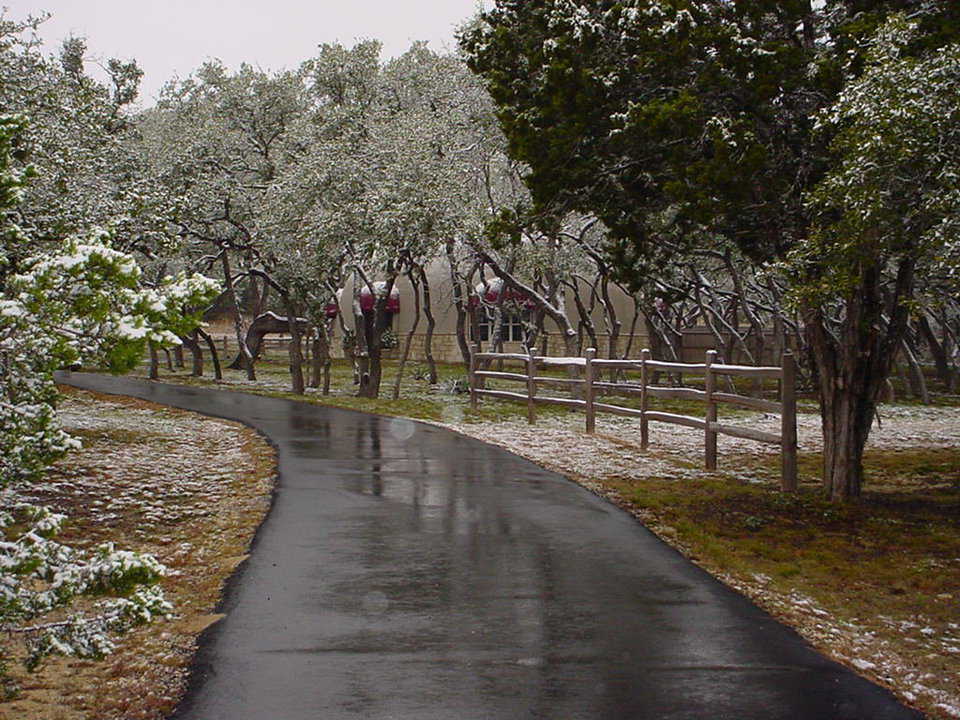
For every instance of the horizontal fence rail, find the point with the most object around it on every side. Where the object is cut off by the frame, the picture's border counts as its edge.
(584, 381)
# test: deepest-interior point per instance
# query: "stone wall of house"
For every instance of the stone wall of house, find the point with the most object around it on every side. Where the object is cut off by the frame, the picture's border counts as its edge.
(696, 341)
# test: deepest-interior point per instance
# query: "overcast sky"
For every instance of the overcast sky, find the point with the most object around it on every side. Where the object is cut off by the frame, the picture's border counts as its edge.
(173, 37)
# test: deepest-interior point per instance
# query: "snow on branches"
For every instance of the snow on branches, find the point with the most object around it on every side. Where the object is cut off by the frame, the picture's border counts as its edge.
(896, 185)
(81, 301)
(80, 304)
(39, 576)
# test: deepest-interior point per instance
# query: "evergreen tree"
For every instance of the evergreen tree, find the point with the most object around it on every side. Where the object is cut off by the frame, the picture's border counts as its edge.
(684, 122)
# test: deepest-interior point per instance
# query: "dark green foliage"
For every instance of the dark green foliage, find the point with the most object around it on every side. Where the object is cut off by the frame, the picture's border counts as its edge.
(707, 107)
(687, 126)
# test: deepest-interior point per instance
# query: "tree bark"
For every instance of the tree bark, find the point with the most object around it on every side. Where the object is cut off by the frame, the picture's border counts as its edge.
(373, 324)
(918, 383)
(633, 329)
(613, 323)
(947, 374)
(361, 351)
(554, 310)
(853, 362)
(320, 374)
(248, 359)
(586, 321)
(262, 326)
(193, 345)
(431, 325)
(458, 303)
(294, 351)
(154, 363)
(260, 297)
(214, 355)
(370, 380)
(409, 341)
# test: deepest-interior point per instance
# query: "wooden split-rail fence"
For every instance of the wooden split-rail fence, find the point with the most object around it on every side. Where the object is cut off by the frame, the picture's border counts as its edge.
(591, 384)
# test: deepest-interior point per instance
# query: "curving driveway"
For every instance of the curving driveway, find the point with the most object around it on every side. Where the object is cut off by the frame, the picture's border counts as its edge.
(409, 573)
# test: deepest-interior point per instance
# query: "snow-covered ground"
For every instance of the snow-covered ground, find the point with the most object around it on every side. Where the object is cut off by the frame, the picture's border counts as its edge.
(559, 443)
(187, 488)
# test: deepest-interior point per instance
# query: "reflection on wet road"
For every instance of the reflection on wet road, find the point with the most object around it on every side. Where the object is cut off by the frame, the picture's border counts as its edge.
(409, 573)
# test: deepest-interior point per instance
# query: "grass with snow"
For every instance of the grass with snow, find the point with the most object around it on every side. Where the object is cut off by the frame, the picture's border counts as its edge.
(189, 489)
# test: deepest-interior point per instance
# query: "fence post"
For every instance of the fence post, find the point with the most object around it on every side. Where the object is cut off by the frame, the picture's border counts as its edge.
(788, 423)
(710, 435)
(644, 399)
(224, 344)
(588, 390)
(531, 388)
(472, 380)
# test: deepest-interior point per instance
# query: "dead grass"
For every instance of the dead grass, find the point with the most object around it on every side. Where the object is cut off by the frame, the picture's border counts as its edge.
(190, 490)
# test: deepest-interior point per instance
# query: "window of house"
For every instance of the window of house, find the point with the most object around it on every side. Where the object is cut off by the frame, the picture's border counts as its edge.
(513, 330)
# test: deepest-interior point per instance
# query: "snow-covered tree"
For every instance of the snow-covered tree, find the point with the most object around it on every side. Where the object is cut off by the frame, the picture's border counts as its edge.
(887, 221)
(80, 140)
(391, 169)
(216, 144)
(63, 299)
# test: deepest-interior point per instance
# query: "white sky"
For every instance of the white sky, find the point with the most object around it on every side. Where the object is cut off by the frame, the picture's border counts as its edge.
(173, 37)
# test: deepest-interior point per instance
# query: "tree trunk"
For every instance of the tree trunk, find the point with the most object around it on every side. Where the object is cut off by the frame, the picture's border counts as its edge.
(613, 346)
(374, 324)
(756, 327)
(320, 373)
(496, 335)
(214, 355)
(409, 341)
(554, 309)
(316, 362)
(154, 363)
(263, 325)
(586, 322)
(260, 297)
(349, 344)
(324, 340)
(361, 350)
(846, 424)
(178, 357)
(373, 374)
(633, 330)
(237, 317)
(295, 349)
(938, 351)
(458, 303)
(918, 383)
(853, 361)
(431, 325)
(193, 345)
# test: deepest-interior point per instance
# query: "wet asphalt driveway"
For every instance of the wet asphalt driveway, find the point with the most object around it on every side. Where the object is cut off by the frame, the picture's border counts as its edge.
(408, 573)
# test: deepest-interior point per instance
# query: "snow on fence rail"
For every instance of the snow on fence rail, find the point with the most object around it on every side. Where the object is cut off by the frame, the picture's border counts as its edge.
(589, 385)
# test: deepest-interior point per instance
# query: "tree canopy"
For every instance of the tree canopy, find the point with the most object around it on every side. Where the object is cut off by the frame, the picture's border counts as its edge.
(690, 124)
(69, 293)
